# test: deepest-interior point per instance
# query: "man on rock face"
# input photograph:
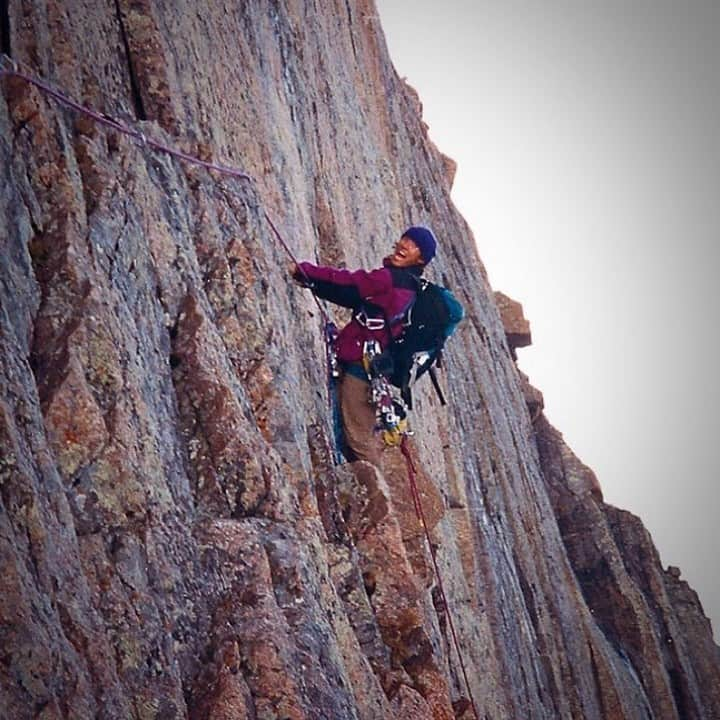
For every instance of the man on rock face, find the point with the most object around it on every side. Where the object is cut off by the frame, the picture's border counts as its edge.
(380, 299)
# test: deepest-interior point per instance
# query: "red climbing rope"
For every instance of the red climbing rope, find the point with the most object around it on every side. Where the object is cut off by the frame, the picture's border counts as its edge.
(322, 310)
(10, 68)
(412, 472)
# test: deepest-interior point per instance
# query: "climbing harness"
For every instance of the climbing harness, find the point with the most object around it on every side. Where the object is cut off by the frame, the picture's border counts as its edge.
(391, 412)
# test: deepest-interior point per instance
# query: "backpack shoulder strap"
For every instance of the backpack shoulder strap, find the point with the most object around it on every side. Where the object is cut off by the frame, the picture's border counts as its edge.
(403, 278)
(436, 385)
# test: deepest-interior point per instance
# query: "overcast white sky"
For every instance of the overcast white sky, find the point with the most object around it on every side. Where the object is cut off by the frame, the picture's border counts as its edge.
(587, 136)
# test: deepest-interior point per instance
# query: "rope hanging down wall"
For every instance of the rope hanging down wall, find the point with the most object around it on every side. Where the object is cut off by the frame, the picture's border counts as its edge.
(9, 68)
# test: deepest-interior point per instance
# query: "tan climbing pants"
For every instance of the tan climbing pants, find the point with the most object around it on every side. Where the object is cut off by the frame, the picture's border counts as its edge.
(358, 418)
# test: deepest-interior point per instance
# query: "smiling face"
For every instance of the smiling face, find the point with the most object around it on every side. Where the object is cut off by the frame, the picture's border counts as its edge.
(406, 253)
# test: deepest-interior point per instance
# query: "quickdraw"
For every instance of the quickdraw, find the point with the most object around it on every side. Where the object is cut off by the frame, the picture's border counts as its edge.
(331, 333)
(390, 411)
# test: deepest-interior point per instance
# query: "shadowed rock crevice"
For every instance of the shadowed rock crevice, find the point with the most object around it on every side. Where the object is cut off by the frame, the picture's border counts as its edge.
(330, 249)
(5, 42)
(231, 470)
(324, 482)
(134, 88)
(149, 70)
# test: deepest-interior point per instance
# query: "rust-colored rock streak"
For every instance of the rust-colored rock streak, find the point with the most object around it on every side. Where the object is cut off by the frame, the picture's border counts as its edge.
(175, 541)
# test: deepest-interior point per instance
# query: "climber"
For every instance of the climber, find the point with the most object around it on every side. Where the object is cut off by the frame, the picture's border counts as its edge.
(379, 299)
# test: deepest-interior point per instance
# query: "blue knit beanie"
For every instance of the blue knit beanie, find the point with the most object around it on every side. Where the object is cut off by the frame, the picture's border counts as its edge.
(425, 240)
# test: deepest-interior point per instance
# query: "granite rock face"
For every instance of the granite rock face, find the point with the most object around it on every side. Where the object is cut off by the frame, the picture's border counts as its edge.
(175, 539)
(517, 328)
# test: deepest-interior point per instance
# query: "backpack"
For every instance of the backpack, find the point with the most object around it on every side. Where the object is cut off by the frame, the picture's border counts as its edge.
(429, 322)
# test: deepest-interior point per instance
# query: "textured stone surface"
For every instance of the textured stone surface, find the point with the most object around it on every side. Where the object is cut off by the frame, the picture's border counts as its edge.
(175, 541)
(517, 328)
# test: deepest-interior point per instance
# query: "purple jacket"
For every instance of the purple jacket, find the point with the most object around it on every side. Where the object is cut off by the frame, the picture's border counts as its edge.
(378, 290)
